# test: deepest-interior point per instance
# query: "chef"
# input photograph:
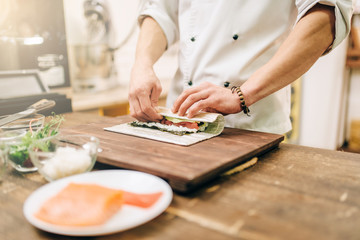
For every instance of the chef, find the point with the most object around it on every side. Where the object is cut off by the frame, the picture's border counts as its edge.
(236, 57)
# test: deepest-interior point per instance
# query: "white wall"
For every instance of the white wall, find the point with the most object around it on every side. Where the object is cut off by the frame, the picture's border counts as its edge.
(322, 106)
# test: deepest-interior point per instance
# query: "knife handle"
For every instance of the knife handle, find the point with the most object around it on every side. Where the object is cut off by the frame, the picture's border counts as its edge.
(42, 105)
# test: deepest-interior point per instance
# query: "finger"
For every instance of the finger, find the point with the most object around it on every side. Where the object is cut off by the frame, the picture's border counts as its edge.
(155, 95)
(132, 103)
(192, 99)
(210, 110)
(183, 96)
(135, 111)
(196, 107)
(148, 111)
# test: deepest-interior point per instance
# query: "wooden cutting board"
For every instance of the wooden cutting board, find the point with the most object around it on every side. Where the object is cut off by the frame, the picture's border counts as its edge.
(184, 167)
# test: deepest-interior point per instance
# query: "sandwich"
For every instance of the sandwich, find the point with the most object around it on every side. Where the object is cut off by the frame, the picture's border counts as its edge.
(175, 129)
(174, 125)
(180, 125)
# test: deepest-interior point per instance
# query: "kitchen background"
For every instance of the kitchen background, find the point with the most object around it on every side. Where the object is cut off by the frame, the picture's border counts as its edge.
(84, 50)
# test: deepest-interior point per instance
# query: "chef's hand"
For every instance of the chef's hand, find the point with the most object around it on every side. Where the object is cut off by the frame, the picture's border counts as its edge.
(144, 92)
(207, 97)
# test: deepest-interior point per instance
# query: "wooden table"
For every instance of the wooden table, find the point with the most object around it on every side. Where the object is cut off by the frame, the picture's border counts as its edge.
(293, 192)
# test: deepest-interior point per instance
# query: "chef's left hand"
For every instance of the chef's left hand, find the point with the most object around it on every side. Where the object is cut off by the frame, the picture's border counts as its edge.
(207, 97)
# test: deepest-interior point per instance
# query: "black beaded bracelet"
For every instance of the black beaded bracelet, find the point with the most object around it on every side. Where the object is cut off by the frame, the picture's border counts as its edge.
(242, 100)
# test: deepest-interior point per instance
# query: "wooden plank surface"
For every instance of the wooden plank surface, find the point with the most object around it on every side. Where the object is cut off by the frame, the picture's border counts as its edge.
(293, 192)
(184, 167)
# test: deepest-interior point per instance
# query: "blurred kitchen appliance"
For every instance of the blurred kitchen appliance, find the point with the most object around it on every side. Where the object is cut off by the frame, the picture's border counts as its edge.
(17, 104)
(32, 37)
(93, 67)
(20, 87)
(29, 80)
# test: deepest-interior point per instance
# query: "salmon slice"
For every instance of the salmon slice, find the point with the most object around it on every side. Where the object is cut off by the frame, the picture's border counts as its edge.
(141, 200)
(90, 204)
(81, 205)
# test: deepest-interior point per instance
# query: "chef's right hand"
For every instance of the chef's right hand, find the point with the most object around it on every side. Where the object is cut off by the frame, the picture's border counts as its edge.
(144, 92)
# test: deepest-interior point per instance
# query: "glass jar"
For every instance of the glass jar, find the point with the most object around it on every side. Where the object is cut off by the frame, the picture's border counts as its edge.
(3, 162)
(32, 122)
(15, 151)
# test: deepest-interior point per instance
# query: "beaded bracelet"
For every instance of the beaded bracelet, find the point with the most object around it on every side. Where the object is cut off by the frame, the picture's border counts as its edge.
(242, 100)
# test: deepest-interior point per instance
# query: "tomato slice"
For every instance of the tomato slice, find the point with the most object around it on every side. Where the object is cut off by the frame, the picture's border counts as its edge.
(190, 125)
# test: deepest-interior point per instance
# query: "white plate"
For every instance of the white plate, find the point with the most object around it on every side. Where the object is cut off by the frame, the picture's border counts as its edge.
(128, 217)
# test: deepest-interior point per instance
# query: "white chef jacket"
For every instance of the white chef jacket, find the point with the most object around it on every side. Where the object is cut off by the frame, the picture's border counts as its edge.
(225, 42)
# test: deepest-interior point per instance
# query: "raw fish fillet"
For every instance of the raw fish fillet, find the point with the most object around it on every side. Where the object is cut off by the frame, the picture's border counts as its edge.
(141, 200)
(90, 204)
(81, 205)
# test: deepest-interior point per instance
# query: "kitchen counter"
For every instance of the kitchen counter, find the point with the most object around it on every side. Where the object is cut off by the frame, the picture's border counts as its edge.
(110, 102)
(293, 192)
